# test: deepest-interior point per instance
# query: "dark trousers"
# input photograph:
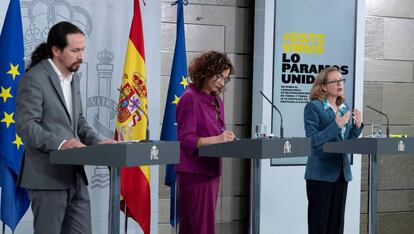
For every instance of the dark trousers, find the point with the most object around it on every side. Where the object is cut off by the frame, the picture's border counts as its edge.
(197, 203)
(62, 211)
(326, 206)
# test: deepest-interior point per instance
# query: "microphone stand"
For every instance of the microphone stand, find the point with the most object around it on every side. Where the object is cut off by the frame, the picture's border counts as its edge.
(386, 116)
(278, 111)
(147, 131)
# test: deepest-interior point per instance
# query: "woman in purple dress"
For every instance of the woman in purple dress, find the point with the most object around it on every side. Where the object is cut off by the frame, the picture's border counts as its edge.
(200, 120)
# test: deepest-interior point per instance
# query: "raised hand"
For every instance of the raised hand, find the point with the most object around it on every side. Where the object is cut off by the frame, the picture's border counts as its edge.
(356, 116)
(342, 120)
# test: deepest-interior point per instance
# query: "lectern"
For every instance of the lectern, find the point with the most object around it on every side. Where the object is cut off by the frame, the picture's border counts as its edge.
(115, 156)
(372, 147)
(257, 149)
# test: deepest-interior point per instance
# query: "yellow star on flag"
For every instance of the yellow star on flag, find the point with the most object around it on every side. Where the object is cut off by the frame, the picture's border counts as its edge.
(176, 100)
(5, 93)
(184, 82)
(8, 119)
(14, 70)
(18, 142)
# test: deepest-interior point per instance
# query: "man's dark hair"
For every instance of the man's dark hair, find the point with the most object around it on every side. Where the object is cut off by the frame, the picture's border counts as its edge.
(57, 37)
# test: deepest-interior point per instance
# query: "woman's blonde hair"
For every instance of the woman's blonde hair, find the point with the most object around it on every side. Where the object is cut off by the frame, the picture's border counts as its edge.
(317, 91)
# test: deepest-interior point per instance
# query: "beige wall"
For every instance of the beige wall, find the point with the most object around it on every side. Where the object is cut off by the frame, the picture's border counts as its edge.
(389, 86)
(226, 26)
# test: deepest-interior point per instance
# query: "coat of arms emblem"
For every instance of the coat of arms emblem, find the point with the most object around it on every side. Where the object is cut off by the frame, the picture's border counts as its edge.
(401, 146)
(287, 148)
(154, 153)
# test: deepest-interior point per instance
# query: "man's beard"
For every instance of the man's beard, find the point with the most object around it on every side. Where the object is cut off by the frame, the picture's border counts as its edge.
(75, 66)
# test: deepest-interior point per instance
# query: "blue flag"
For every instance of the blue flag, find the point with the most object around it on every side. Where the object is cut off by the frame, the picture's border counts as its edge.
(14, 200)
(178, 83)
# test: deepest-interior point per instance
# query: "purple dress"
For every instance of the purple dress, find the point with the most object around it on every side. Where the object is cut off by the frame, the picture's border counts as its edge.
(198, 115)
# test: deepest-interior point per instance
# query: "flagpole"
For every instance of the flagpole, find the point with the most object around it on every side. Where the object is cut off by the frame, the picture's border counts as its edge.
(221, 204)
(177, 85)
(126, 218)
(4, 228)
(125, 210)
(114, 200)
(175, 208)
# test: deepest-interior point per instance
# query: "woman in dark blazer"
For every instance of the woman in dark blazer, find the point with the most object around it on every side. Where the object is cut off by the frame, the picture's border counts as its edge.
(328, 119)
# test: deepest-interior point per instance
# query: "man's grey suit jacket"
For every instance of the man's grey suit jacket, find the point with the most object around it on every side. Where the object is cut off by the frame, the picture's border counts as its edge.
(43, 122)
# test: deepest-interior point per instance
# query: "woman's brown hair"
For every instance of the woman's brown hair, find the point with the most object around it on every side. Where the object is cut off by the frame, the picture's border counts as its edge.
(317, 92)
(207, 65)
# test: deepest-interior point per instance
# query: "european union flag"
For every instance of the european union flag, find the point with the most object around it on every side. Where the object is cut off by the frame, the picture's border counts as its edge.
(178, 83)
(14, 200)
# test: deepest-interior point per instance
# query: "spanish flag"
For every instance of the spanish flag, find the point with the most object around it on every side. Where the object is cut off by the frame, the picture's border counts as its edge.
(135, 181)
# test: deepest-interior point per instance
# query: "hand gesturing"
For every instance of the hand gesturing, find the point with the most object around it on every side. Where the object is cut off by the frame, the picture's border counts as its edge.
(356, 116)
(342, 120)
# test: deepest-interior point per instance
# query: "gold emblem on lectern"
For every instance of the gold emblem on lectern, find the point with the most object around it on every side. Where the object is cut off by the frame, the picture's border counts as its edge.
(287, 148)
(154, 153)
(401, 146)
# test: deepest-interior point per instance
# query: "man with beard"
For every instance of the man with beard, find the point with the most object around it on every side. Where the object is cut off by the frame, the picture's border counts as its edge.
(49, 117)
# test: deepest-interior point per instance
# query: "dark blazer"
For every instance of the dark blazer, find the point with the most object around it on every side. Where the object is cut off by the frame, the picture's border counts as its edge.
(43, 122)
(321, 127)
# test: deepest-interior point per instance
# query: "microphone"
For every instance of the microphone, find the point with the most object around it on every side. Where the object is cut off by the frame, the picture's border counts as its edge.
(386, 116)
(140, 109)
(278, 111)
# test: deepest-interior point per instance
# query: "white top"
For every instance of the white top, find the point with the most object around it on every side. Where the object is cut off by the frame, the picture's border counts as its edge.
(65, 83)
